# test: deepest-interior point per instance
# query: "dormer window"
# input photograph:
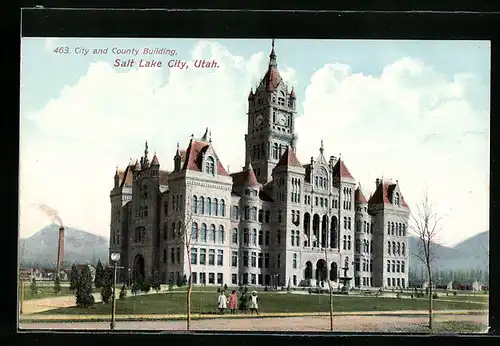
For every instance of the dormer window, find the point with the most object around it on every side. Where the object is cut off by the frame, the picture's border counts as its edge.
(210, 166)
(396, 198)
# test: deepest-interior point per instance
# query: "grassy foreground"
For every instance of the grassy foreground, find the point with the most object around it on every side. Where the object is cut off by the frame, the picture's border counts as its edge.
(206, 302)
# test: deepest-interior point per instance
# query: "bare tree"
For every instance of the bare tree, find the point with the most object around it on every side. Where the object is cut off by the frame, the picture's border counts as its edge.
(188, 236)
(425, 223)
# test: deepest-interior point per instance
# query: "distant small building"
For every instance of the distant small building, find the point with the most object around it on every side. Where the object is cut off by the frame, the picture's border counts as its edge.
(444, 285)
(475, 286)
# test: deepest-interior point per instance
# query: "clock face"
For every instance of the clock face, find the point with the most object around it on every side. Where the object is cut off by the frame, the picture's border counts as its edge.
(282, 119)
(258, 120)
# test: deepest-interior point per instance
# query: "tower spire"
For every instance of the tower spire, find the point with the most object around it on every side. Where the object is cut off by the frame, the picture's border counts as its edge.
(272, 56)
(146, 150)
(321, 148)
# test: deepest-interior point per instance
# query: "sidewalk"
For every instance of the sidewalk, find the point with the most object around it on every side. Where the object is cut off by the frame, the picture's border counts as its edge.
(150, 317)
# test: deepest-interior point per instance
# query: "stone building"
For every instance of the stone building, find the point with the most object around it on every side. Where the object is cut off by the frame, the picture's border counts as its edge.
(277, 222)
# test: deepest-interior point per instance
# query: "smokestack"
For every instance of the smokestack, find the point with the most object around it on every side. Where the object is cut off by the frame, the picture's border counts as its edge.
(60, 251)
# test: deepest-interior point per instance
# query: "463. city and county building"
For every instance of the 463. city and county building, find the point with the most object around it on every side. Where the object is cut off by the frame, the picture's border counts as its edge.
(277, 222)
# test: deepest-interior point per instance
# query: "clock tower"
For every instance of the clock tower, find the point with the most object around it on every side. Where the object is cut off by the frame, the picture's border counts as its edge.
(271, 122)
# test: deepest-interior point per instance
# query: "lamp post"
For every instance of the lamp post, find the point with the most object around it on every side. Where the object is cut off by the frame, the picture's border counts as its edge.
(115, 257)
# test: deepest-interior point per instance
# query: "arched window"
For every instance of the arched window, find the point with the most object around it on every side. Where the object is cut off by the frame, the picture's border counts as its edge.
(404, 230)
(203, 233)
(246, 236)
(278, 238)
(164, 255)
(202, 206)
(403, 250)
(345, 243)
(349, 243)
(297, 238)
(222, 208)
(210, 165)
(221, 234)
(294, 261)
(357, 245)
(394, 248)
(212, 233)
(389, 247)
(195, 205)
(371, 246)
(267, 238)
(292, 238)
(235, 236)
(236, 212)
(399, 248)
(215, 207)
(261, 237)
(392, 228)
(208, 206)
(173, 230)
(388, 228)
(275, 151)
(181, 230)
(254, 236)
(194, 232)
(396, 199)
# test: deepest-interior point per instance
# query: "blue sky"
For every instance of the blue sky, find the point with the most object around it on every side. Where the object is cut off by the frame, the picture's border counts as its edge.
(86, 117)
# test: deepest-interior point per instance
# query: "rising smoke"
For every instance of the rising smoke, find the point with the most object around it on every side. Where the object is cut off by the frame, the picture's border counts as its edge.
(50, 212)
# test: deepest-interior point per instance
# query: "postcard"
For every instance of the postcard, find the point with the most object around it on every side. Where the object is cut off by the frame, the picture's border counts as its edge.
(254, 185)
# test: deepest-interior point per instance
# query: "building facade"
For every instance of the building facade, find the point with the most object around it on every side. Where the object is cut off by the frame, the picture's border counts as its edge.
(277, 222)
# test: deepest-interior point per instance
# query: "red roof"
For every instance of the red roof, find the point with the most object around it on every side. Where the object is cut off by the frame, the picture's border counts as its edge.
(289, 159)
(292, 94)
(341, 169)
(194, 155)
(359, 197)
(250, 95)
(272, 78)
(383, 194)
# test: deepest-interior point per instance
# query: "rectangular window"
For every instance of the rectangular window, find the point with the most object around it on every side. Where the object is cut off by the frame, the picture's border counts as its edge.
(388, 266)
(211, 278)
(389, 282)
(393, 282)
(178, 255)
(172, 255)
(260, 261)
(398, 282)
(254, 259)
(295, 280)
(259, 279)
(266, 261)
(203, 278)
(234, 259)
(194, 278)
(203, 256)
(254, 279)
(211, 257)
(267, 279)
(245, 279)
(234, 279)
(194, 256)
(245, 259)
(220, 257)
(220, 277)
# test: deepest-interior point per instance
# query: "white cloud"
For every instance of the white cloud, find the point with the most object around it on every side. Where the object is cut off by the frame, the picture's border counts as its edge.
(409, 124)
(105, 117)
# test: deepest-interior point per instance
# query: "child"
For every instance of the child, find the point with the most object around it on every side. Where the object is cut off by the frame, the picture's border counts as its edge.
(222, 302)
(254, 303)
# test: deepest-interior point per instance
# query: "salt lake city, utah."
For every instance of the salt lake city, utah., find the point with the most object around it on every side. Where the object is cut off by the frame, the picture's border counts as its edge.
(254, 185)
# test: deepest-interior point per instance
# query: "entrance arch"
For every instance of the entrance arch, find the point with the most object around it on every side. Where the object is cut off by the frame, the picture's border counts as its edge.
(138, 274)
(321, 270)
(308, 271)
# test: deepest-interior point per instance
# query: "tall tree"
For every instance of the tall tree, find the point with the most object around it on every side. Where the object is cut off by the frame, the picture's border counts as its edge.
(99, 274)
(73, 277)
(57, 285)
(84, 297)
(106, 284)
(189, 236)
(426, 224)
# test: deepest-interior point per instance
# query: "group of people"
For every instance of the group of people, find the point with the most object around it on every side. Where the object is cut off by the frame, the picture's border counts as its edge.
(246, 302)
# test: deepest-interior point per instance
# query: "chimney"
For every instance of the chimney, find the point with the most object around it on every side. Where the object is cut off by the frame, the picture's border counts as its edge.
(60, 251)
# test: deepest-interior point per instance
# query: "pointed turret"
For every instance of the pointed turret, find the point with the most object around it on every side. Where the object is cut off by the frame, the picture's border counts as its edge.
(205, 136)
(145, 161)
(292, 94)
(251, 95)
(272, 78)
(155, 161)
(178, 159)
(250, 178)
(117, 178)
(137, 166)
(359, 197)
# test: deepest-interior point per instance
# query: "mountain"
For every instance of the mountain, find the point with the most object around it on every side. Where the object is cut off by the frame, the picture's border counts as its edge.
(79, 247)
(472, 253)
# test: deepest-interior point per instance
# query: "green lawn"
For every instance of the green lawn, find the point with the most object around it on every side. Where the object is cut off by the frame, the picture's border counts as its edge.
(463, 327)
(205, 302)
(45, 292)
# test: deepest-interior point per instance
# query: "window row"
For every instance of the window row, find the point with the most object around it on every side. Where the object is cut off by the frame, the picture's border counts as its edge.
(396, 266)
(364, 247)
(115, 237)
(396, 282)
(254, 259)
(254, 237)
(140, 235)
(295, 197)
(296, 217)
(142, 206)
(365, 265)
(207, 206)
(251, 213)
(175, 255)
(347, 222)
(258, 151)
(347, 243)
(347, 198)
(278, 150)
(367, 227)
(295, 238)
(397, 248)
(321, 182)
(363, 281)
(396, 229)
(201, 234)
(177, 202)
(254, 279)
(203, 278)
(199, 256)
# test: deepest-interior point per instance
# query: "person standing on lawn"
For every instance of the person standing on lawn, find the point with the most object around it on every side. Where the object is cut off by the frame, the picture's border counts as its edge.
(233, 302)
(254, 303)
(222, 302)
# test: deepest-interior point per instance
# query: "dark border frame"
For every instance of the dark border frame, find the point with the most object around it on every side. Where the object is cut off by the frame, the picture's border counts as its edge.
(260, 24)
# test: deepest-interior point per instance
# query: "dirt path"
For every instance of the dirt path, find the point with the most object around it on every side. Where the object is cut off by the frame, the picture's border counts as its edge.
(321, 323)
(33, 306)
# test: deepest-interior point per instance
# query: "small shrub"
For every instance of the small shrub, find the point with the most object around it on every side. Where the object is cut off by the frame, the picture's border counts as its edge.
(57, 285)
(135, 288)
(434, 295)
(266, 289)
(123, 292)
(146, 286)
(398, 295)
(454, 293)
(34, 287)
(309, 290)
